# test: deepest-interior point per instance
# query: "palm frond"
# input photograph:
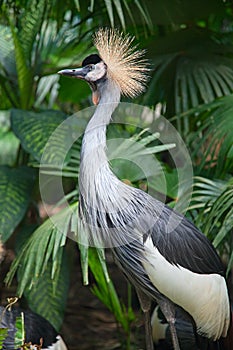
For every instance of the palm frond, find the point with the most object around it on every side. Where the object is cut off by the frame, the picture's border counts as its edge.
(24, 74)
(34, 131)
(45, 244)
(48, 296)
(185, 75)
(213, 201)
(16, 186)
(31, 22)
(63, 46)
(205, 192)
(123, 10)
(212, 141)
(7, 61)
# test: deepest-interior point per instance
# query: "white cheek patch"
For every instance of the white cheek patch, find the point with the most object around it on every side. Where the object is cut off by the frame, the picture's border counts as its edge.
(97, 73)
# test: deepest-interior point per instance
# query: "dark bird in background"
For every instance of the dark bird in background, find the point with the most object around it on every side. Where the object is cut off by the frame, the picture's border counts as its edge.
(162, 253)
(36, 328)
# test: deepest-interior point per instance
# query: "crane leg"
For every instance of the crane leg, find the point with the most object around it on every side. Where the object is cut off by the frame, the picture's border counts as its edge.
(145, 303)
(168, 309)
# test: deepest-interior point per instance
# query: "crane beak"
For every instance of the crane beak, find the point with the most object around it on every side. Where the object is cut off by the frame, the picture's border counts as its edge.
(81, 74)
(75, 73)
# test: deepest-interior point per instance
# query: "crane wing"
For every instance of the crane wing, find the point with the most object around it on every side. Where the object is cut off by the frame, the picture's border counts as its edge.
(184, 245)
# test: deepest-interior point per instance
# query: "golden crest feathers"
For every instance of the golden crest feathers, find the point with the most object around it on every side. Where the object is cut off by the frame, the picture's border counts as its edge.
(125, 64)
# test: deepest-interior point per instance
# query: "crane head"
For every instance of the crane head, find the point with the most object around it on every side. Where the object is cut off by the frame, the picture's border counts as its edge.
(93, 70)
(117, 60)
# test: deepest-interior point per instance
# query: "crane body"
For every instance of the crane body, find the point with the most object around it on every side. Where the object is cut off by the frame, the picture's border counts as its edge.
(162, 253)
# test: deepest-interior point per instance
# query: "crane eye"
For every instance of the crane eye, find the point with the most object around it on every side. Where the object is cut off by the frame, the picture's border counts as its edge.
(91, 67)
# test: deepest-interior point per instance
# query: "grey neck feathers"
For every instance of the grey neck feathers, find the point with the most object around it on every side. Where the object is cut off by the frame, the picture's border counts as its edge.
(94, 168)
(95, 133)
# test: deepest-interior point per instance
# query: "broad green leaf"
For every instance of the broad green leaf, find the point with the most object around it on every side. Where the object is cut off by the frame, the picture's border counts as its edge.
(10, 144)
(7, 69)
(8, 141)
(16, 186)
(34, 129)
(7, 61)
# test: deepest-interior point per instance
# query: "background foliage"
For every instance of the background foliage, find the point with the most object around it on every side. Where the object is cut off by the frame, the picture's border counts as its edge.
(190, 47)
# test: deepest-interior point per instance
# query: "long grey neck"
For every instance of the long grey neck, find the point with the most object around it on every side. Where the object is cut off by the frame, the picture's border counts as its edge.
(94, 168)
(95, 133)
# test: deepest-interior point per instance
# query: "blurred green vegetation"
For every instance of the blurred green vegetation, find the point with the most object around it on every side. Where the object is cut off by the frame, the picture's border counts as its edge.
(189, 44)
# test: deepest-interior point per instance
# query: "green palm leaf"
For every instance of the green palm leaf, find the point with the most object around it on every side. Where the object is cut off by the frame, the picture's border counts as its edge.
(42, 267)
(24, 73)
(206, 191)
(7, 60)
(48, 295)
(212, 142)
(185, 75)
(31, 22)
(138, 149)
(213, 199)
(16, 186)
(8, 140)
(124, 10)
(44, 245)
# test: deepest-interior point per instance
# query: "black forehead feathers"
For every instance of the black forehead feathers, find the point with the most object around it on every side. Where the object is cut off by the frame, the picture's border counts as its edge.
(92, 59)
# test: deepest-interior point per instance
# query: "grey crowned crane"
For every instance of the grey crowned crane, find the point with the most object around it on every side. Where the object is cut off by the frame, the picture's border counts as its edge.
(37, 330)
(162, 253)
